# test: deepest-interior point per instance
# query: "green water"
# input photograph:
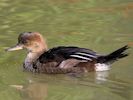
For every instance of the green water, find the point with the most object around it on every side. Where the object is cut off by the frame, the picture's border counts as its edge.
(101, 25)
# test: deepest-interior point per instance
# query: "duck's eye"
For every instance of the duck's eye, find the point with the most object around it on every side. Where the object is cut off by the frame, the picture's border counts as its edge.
(24, 42)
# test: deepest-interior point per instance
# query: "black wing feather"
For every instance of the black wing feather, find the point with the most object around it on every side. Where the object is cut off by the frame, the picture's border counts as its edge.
(67, 53)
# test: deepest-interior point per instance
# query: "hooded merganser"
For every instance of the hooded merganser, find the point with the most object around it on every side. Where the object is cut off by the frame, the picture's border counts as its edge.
(62, 59)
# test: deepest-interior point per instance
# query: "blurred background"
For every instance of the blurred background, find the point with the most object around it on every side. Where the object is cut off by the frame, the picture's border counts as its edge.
(101, 25)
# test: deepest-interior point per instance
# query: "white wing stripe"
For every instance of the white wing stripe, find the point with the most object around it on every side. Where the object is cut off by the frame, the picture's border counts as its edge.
(86, 54)
(77, 56)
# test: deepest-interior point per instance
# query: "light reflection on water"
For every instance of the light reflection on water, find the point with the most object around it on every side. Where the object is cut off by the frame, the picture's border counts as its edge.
(85, 23)
(66, 87)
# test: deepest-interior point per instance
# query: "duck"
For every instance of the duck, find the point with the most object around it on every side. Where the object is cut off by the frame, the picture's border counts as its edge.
(63, 59)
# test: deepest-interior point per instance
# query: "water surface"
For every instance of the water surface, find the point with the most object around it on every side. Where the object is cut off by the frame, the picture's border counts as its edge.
(100, 25)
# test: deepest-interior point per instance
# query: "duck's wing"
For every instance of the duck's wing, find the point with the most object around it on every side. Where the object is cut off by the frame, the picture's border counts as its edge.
(68, 56)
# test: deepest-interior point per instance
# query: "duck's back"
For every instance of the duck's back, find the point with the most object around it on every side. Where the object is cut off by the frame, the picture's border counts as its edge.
(66, 59)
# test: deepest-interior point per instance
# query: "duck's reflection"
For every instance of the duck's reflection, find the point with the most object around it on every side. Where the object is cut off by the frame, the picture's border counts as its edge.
(36, 91)
(33, 91)
(101, 77)
(114, 84)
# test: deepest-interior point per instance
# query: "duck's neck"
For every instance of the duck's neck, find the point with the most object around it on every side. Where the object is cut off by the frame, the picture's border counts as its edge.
(32, 56)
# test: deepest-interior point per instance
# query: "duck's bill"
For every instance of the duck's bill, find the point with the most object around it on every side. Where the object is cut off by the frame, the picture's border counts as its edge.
(14, 48)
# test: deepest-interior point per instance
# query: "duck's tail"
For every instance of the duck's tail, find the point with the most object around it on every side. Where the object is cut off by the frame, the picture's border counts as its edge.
(114, 56)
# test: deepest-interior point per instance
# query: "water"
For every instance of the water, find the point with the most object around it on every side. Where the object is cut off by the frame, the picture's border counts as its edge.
(99, 25)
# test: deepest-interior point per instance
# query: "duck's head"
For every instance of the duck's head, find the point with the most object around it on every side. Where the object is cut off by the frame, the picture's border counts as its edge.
(32, 41)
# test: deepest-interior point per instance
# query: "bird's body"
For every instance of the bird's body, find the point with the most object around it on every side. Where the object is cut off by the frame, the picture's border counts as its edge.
(62, 59)
(65, 60)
